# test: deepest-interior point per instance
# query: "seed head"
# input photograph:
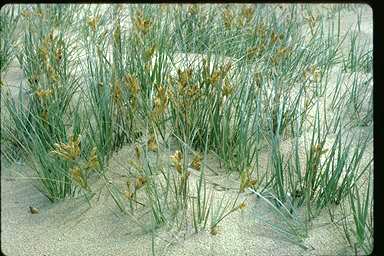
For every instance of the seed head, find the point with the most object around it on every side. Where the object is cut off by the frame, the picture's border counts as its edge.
(176, 160)
(92, 22)
(214, 230)
(149, 52)
(43, 93)
(132, 84)
(137, 152)
(248, 12)
(214, 77)
(77, 176)
(128, 194)
(141, 24)
(140, 182)
(177, 157)
(69, 151)
(227, 88)
(152, 144)
(93, 162)
(227, 18)
(59, 54)
(196, 162)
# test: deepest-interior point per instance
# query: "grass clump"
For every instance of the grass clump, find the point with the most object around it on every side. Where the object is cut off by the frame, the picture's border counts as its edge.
(9, 19)
(242, 84)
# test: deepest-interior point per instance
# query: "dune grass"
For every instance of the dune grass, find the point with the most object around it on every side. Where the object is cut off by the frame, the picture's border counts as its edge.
(9, 19)
(238, 81)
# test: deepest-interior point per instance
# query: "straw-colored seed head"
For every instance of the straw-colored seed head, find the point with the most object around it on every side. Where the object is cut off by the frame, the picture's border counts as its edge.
(132, 84)
(39, 13)
(43, 52)
(227, 88)
(164, 7)
(93, 162)
(177, 157)
(179, 167)
(140, 182)
(52, 73)
(176, 160)
(214, 230)
(160, 102)
(149, 53)
(137, 152)
(26, 13)
(43, 93)
(248, 12)
(141, 24)
(227, 17)
(261, 30)
(116, 91)
(225, 69)
(254, 51)
(317, 148)
(311, 20)
(252, 183)
(92, 22)
(196, 162)
(69, 151)
(59, 54)
(214, 77)
(193, 90)
(77, 176)
(282, 51)
(75, 172)
(184, 77)
(128, 194)
(193, 9)
(152, 144)
(274, 37)
(44, 115)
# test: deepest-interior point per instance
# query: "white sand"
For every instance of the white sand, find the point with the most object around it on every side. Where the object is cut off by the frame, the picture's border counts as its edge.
(71, 227)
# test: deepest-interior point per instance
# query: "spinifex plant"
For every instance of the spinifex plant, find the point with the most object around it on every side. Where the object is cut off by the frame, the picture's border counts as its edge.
(221, 211)
(290, 226)
(149, 62)
(56, 162)
(359, 102)
(79, 171)
(162, 186)
(193, 27)
(360, 233)
(196, 102)
(329, 172)
(186, 85)
(201, 207)
(46, 59)
(100, 86)
(41, 116)
(8, 21)
(237, 134)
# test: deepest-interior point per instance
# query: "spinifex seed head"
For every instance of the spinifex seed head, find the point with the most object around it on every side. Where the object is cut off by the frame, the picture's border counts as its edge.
(152, 144)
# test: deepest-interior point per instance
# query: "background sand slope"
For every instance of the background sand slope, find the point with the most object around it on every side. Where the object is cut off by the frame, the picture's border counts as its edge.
(72, 227)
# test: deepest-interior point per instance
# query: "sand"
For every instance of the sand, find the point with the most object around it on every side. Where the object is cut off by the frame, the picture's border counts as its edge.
(73, 227)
